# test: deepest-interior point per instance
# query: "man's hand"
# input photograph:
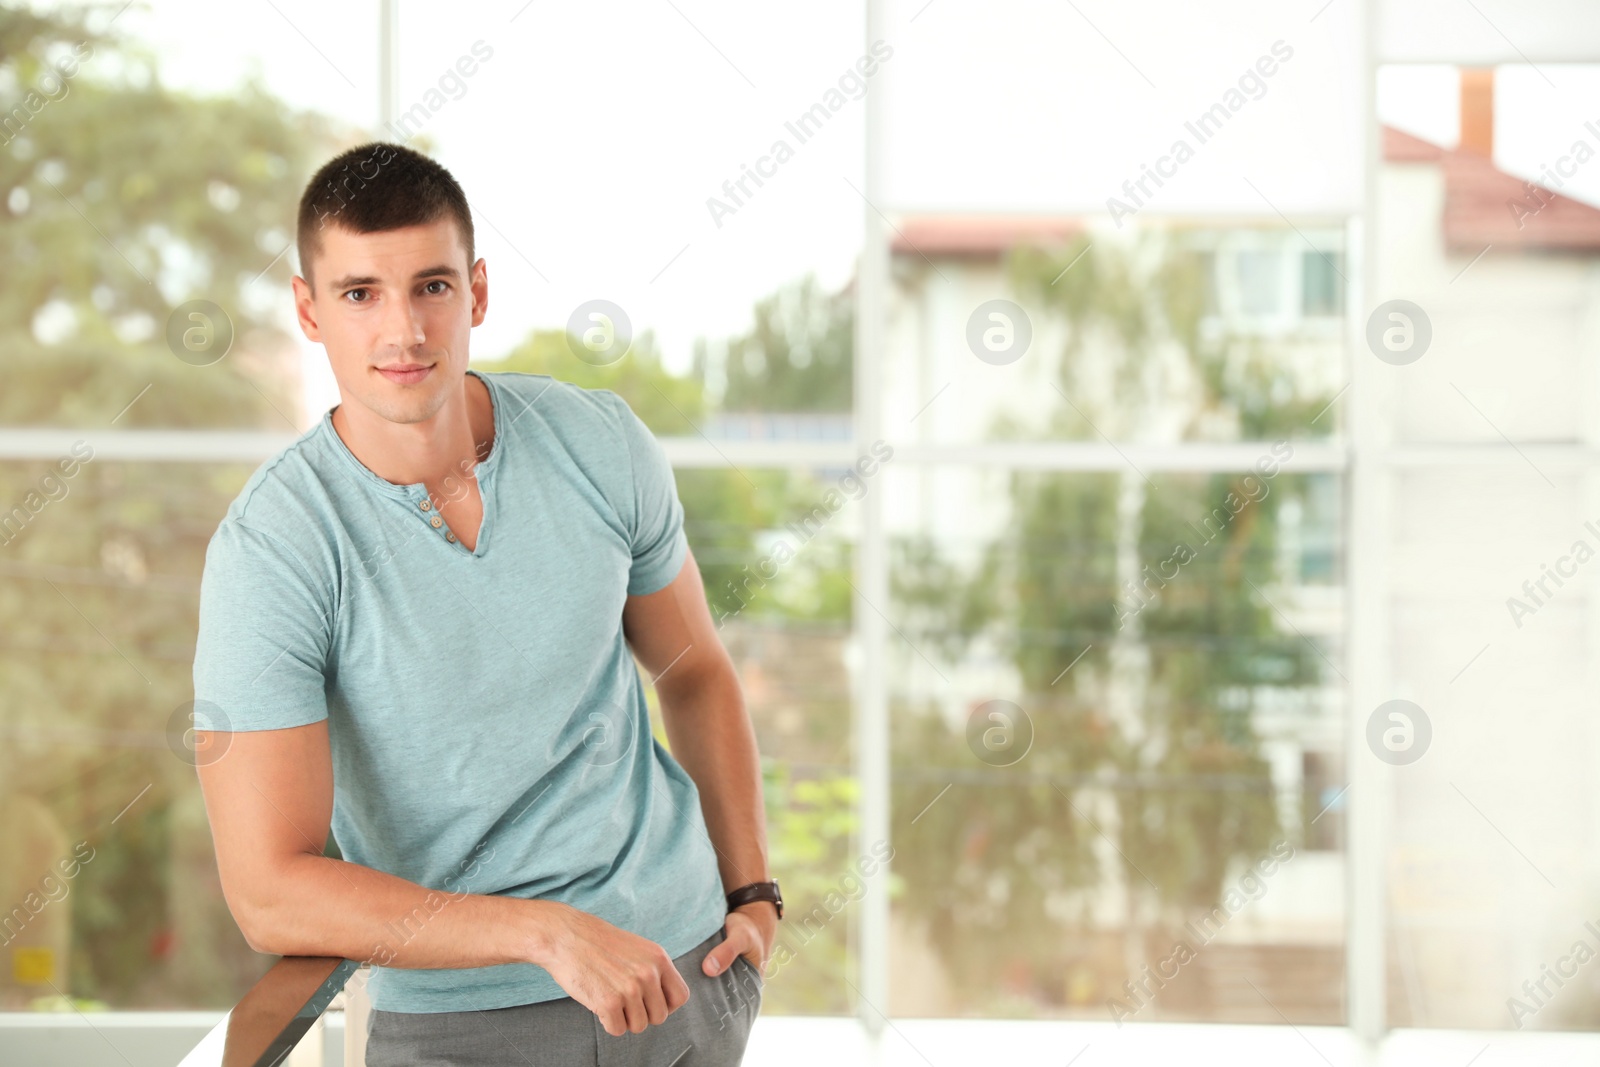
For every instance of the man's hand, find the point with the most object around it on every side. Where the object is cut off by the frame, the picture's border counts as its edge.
(628, 981)
(751, 928)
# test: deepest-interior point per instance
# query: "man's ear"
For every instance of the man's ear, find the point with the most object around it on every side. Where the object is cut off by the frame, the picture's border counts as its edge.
(480, 291)
(305, 310)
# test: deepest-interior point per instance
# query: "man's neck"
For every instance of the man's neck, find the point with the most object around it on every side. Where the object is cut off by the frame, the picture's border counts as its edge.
(457, 438)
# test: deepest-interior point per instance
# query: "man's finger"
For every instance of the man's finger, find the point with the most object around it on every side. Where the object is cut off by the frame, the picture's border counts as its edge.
(637, 1014)
(676, 989)
(655, 1004)
(721, 958)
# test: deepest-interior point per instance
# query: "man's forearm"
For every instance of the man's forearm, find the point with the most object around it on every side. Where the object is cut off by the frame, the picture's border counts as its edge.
(328, 907)
(711, 736)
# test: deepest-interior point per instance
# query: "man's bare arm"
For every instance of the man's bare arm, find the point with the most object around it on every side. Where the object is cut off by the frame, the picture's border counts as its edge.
(269, 799)
(702, 707)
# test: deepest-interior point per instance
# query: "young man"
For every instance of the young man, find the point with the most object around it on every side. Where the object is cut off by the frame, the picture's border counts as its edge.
(419, 622)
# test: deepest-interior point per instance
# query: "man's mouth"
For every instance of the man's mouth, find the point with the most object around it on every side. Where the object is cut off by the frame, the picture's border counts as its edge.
(406, 373)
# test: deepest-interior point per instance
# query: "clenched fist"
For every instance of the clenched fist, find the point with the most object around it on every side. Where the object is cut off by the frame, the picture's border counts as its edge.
(628, 981)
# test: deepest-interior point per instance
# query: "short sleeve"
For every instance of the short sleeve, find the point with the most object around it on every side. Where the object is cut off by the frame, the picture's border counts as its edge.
(264, 636)
(658, 541)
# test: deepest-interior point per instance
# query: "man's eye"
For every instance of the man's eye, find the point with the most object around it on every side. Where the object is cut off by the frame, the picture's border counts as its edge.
(352, 296)
(435, 292)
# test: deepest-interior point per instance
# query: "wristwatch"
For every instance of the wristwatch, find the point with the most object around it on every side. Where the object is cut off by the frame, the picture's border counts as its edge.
(745, 894)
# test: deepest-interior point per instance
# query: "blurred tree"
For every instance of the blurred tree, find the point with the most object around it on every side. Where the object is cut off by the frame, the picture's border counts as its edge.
(1177, 672)
(140, 198)
(810, 843)
(794, 358)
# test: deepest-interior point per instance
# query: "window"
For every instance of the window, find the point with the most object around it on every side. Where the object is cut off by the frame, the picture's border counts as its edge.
(1260, 281)
(1321, 283)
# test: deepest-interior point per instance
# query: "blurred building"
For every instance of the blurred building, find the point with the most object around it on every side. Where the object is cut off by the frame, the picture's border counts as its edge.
(1508, 273)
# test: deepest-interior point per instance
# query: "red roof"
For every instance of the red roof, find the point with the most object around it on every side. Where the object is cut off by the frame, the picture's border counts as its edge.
(1483, 205)
(979, 236)
(1402, 147)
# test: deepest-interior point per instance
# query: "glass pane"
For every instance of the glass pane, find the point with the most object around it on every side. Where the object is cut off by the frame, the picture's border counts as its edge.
(109, 849)
(775, 552)
(1118, 757)
(722, 239)
(1490, 888)
(1246, 93)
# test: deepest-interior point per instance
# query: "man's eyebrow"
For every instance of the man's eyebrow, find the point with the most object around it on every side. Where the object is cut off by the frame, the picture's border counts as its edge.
(443, 270)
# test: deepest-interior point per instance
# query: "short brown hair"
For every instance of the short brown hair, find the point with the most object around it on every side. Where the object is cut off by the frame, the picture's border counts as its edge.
(376, 187)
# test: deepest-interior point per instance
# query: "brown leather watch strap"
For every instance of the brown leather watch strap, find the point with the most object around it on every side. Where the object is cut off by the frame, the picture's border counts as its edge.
(746, 894)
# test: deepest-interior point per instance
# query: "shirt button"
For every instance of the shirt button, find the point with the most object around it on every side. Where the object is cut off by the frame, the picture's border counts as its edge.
(436, 521)
(448, 536)
(425, 505)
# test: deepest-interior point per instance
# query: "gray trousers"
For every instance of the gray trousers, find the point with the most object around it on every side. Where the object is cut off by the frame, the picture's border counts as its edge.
(709, 1031)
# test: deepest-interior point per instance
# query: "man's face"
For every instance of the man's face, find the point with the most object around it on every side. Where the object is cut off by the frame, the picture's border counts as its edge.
(395, 311)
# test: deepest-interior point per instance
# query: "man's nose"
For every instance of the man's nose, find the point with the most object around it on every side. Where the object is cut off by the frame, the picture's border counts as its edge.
(403, 326)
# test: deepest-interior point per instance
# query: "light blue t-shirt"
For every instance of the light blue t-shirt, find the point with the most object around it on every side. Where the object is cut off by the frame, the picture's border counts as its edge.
(488, 726)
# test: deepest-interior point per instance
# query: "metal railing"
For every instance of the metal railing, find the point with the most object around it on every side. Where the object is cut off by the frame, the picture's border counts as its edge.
(270, 1020)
